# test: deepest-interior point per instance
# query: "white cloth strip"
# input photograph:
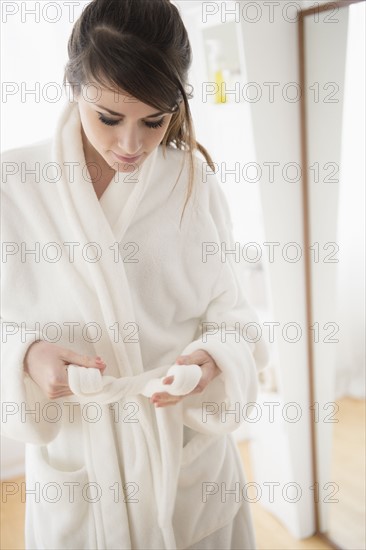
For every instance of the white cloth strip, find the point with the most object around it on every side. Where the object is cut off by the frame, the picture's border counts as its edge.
(85, 381)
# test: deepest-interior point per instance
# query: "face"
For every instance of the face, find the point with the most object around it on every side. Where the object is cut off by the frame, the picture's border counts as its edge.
(119, 130)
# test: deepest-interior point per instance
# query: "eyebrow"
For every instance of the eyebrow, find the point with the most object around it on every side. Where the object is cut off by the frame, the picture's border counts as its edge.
(119, 114)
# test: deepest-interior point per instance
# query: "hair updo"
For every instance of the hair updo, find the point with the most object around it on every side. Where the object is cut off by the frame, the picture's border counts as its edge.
(140, 47)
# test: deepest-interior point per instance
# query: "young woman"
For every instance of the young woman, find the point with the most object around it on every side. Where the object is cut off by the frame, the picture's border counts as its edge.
(116, 266)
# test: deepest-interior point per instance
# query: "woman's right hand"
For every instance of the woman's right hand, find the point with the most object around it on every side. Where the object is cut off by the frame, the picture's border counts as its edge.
(46, 364)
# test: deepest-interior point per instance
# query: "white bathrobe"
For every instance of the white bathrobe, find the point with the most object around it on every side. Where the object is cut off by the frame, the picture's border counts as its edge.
(117, 277)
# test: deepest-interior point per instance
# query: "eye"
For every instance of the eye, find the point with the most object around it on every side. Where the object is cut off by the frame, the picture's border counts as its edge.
(107, 121)
(111, 122)
(155, 125)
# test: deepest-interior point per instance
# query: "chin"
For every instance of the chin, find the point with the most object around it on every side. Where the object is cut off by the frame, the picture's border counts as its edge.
(125, 167)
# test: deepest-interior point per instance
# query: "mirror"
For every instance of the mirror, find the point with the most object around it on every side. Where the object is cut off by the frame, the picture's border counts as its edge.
(332, 41)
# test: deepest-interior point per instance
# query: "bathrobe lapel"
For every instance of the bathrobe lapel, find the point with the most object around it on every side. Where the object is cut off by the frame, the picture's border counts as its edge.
(89, 224)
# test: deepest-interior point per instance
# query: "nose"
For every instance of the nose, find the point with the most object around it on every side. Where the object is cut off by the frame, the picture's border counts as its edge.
(129, 141)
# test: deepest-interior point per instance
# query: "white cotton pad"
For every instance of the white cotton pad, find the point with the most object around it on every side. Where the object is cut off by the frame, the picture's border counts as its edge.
(84, 380)
(186, 378)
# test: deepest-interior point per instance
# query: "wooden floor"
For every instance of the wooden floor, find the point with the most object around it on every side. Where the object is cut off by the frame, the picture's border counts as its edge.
(12, 514)
(270, 533)
(347, 516)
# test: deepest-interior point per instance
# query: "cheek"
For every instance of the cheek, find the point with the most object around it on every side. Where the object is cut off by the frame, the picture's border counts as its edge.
(98, 133)
(150, 138)
(158, 135)
(92, 126)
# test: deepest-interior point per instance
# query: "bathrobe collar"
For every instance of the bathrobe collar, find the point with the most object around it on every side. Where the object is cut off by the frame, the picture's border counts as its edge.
(85, 217)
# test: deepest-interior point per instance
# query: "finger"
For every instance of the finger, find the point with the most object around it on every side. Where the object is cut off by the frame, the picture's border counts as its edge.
(183, 360)
(197, 357)
(170, 401)
(71, 357)
(164, 402)
(65, 393)
(163, 396)
(160, 405)
(168, 380)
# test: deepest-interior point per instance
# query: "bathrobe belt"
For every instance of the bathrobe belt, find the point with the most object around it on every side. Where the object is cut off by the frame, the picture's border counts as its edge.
(87, 383)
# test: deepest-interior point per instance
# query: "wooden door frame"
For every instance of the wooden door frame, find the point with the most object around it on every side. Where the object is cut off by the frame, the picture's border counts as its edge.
(306, 228)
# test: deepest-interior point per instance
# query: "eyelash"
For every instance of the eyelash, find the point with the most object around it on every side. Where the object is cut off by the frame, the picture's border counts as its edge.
(110, 122)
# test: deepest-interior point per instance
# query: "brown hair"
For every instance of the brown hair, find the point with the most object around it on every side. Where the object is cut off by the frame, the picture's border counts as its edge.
(142, 48)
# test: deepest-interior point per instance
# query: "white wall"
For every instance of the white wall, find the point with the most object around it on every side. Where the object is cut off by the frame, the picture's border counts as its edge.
(350, 359)
(282, 451)
(34, 53)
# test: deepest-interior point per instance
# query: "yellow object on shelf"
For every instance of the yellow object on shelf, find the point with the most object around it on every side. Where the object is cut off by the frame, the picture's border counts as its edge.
(220, 96)
(216, 70)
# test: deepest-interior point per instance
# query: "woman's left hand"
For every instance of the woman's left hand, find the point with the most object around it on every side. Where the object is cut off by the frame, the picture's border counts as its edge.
(209, 371)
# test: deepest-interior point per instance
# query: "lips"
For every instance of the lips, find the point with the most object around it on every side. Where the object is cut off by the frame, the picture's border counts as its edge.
(129, 160)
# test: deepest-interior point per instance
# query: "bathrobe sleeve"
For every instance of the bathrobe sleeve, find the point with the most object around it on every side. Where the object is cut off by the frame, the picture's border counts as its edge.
(230, 332)
(24, 414)
(23, 405)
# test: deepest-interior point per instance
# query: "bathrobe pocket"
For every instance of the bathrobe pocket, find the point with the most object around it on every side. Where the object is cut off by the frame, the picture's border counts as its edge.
(59, 505)
(194, 443)
(208, 495)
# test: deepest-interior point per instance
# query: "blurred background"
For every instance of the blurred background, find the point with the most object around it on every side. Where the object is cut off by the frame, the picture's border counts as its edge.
(279, 102)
